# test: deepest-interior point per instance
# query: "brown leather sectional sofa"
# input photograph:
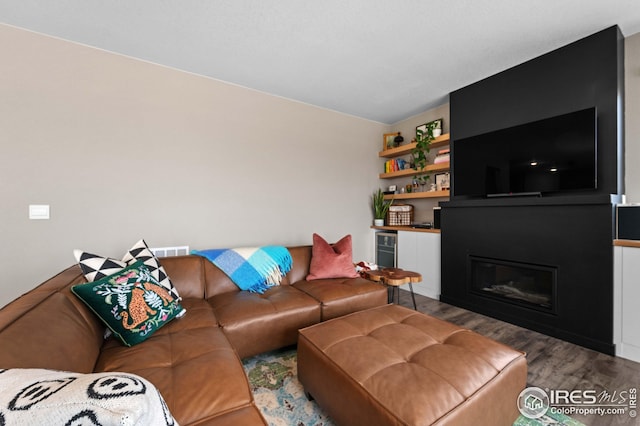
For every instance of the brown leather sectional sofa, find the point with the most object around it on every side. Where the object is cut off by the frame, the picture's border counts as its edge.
(195, 360)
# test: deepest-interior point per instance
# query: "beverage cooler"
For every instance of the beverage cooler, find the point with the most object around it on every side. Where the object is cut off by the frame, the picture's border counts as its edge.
(386, 249)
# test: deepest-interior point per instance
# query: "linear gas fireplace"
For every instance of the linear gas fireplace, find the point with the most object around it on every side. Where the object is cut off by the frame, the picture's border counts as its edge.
(524, 284)
(545, 267)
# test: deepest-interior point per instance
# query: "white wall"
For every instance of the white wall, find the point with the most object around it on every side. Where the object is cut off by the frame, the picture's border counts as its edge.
(122, 149)
(632, 118)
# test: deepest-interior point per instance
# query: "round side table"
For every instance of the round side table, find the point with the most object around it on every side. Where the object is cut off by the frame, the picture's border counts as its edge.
(393, 278)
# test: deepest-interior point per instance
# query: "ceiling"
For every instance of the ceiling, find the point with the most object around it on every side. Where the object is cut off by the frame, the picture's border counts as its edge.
(382, 60)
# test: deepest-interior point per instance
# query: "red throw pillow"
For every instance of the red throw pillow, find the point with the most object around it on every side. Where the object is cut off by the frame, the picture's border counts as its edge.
(331, 261)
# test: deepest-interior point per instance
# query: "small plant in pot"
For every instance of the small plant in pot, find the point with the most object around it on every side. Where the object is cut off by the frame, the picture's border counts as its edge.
(380, 207)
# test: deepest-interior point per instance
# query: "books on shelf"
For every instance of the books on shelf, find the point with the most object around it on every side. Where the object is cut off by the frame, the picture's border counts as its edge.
(442, 156)
(394, 165)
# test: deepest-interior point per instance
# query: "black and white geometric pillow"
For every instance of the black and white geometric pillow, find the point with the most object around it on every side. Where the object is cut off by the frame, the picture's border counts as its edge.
(48, 397)
(95, 267)
(140, 251)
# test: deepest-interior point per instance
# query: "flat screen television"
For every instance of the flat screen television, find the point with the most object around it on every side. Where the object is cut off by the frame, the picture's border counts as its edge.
(553, 155)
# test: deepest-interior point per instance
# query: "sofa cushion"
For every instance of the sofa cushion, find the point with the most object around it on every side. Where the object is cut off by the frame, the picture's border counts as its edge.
(192, 364)
(256, 323)
(130, 302)
(329, 261)
(341, 296)
(201, 315)
(187, 275)
(301, 256)
(50, 317)
(37, 396)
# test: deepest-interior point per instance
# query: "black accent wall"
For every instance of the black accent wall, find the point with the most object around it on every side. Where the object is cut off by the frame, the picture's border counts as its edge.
(586, 73)
(570, 232)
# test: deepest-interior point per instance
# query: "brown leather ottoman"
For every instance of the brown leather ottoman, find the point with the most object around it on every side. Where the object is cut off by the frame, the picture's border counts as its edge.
(395, 366)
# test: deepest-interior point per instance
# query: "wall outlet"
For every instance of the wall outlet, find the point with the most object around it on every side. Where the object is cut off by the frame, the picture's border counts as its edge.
(38, 211)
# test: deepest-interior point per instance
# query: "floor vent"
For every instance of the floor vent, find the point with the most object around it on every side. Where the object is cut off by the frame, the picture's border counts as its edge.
(170, 251)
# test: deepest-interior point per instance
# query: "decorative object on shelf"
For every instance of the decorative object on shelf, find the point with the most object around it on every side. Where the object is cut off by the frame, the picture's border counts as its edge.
(442, 156)
(420, 180)
(424, 137)
(388, 140)
(398, 140)
(442, 181)
(380, 207)
(436, 127)
(400, 215)
(392, 189)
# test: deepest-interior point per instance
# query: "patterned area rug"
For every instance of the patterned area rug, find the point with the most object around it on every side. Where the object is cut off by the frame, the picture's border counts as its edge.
(280, 396)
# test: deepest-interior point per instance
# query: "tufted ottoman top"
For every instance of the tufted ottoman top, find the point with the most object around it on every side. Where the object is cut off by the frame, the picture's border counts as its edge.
(416, 367)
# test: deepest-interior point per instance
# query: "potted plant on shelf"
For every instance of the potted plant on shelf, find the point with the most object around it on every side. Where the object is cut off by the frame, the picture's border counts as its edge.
(380, 207)
(424, 137)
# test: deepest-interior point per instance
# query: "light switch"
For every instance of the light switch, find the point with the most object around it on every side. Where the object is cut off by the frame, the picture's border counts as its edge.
(38, 211)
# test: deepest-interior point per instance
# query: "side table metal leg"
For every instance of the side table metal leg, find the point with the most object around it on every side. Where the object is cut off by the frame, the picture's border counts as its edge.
(413, 297)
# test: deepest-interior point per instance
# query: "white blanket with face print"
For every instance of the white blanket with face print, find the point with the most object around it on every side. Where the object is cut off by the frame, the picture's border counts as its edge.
(49, 397)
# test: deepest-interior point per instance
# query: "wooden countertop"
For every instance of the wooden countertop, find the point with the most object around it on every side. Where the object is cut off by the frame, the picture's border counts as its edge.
(405, 228)
(626, 243)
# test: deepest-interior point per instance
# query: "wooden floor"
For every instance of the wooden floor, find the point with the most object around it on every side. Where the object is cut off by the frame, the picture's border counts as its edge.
(552, 363)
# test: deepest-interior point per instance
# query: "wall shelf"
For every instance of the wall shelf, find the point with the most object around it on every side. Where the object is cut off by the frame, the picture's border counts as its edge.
(431, 168)
(416, 195)
(406, 149)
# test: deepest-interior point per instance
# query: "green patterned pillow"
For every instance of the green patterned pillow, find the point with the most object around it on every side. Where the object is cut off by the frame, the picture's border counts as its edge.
(130, 302)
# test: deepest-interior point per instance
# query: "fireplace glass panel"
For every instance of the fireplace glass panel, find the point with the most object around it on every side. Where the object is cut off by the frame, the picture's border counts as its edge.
(519, 283)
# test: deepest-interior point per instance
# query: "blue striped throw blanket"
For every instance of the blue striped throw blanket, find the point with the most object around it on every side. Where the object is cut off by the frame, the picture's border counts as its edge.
(254, 269)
